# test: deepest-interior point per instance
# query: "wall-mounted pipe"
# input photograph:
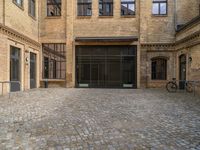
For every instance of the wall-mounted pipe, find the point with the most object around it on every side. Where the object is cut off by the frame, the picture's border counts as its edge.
(175, 14)
(4, 13)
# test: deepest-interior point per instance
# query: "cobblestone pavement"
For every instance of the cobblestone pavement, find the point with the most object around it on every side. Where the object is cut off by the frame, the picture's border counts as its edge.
(94, 119)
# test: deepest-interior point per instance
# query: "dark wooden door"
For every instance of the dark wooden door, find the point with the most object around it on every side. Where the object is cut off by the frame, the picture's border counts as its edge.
(32, 70)
(182, 71)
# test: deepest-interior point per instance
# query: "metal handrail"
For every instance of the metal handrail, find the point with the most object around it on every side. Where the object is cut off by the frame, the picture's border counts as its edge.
(8, 82)
(194, 84)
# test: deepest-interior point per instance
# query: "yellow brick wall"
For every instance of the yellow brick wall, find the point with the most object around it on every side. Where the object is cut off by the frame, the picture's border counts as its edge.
(19, 19)
(186, 10)
(156, 28)
(52, 29)
(98, 26)
(1, 11)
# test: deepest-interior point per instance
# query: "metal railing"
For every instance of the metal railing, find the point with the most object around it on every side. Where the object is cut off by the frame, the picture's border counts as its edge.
(195, 84)
(8, 82)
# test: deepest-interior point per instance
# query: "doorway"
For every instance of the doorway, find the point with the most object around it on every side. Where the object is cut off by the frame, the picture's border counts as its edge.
(106, 66)
(182, 71)
(32, 70)
(15, 69)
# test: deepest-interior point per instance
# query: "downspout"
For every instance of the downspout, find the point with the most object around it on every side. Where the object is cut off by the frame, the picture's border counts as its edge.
(4, 17)
(175, 14)
(175, 27)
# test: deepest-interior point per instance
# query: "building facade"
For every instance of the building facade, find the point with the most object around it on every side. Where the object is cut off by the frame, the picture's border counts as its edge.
(19, 45)
(101, 43)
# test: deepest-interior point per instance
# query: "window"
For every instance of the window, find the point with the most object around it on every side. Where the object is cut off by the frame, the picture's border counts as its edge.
(54, 61)
(105, 7)
(32, 8)
(53, 7)
(84, 7)
(18, 2)
(159, 7)
(159, 69)
(127, 7)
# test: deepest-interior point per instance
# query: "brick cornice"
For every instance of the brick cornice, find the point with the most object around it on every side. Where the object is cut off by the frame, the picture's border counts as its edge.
(159, 45)
(188, 38)
(18, 36)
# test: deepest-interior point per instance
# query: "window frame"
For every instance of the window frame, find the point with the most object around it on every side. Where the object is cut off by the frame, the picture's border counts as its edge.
(162, 72)
(18, 5)
(47, 10)
(128, 3)
(159, 7)
(29, 8)
(104, 4)
(83, 4)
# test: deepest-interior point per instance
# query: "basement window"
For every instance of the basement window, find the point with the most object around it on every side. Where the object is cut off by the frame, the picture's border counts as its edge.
(53, 7)
(159, 7)
(105, 7)
(18, 3)
(127, 7)
(84, 7)
(31, 7)
(54, 61)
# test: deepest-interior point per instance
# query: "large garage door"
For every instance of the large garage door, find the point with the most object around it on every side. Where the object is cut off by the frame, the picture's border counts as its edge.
(106, 66)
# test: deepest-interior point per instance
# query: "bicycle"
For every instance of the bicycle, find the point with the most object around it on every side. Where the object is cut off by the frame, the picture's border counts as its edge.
(172, 86)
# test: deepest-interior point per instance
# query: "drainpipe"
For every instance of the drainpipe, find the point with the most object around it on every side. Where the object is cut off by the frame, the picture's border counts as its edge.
(175, 14)
(175, 27)
(4, 12)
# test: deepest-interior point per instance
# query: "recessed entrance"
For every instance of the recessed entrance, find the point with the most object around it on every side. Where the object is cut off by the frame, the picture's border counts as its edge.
(106, 66)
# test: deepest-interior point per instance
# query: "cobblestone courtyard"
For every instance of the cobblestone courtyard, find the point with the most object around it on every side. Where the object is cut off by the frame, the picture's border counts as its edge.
(100, 119)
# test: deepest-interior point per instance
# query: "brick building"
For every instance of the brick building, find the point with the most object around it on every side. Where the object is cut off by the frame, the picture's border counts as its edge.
(99, 43)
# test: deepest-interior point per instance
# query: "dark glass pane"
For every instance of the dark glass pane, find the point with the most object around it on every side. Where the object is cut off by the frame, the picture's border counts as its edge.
(105, 7)
(106, 66)
(54, 61)
(84, 7)
(54, 8)
(159, 69)
(127, 7)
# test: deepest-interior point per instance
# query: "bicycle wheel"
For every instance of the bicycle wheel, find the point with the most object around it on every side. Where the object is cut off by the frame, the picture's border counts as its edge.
(171, 87)
(189, 87)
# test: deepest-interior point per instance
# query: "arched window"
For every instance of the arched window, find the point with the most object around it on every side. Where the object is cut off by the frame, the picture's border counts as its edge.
(159, 69)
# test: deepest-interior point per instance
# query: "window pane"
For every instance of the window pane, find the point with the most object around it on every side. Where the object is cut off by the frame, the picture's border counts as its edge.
(159, 69)
(19, 2)
(127, 7)
(54, 8)
(32, 7)
(105, 7)
(84, 7)
(155, 8)
(131, 9)
(163, 8)
(54, 61)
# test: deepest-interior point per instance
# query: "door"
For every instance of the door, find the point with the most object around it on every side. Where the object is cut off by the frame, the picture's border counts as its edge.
(106, 66)
(46, 68)
(32, 70)
(182, 71)
(15, 69)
